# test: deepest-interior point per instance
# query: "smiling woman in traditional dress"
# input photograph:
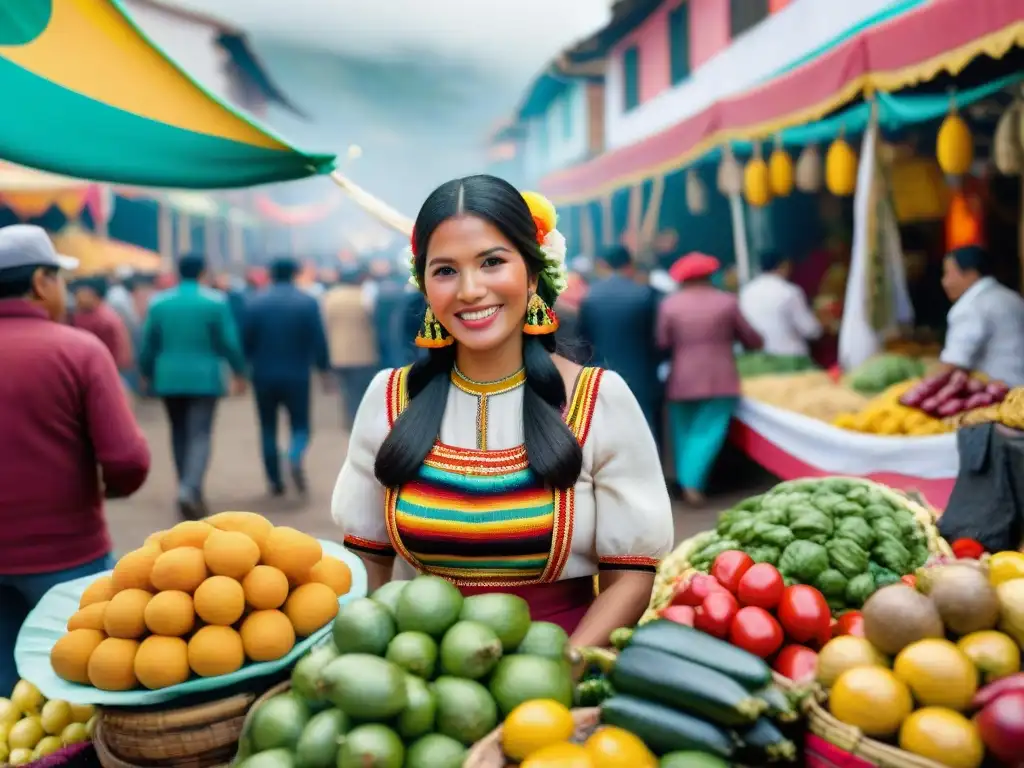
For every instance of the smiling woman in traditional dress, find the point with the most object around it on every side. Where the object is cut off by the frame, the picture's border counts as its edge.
(494, 462)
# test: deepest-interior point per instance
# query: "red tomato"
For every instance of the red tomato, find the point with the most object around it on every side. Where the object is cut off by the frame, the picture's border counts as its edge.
(729, 568)
(797, 662)
(850, 623)
(967, 549)
(680, 614)
(755, 630)
(910, 580)
(693, 590)
(804, 613)
(716, 614)
(761, 586)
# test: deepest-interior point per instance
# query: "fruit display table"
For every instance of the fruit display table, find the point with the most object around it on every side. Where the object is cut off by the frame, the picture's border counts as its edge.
(791, 445)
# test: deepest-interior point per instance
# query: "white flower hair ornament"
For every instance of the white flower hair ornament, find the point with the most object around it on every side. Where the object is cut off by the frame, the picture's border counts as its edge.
(552, 245)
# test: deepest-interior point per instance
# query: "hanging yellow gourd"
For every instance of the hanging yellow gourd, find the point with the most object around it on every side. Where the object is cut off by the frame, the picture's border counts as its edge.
(696, 194)
(1007, 147)
(756, 183)
(808, 170)
(730, 174)
(955, 146)
(840, 168)
(780, 170)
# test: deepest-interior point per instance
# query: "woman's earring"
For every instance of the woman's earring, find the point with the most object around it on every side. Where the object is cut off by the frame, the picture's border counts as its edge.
(432, 334)
(540, 318)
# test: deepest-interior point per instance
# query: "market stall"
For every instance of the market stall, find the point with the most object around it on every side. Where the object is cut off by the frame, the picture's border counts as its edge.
(791, 445)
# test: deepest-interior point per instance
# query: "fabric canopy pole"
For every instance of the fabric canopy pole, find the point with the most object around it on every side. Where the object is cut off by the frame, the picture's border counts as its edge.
(373, 205)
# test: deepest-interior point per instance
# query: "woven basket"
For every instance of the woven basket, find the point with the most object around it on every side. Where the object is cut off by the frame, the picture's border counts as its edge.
(198, 735)
(487, 752)
(852, 740)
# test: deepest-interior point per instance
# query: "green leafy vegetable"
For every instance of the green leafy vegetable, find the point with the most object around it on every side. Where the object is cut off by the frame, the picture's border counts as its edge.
(803, 561)
(856, 529)
(847, 557)
(831, 583)
(859, 589)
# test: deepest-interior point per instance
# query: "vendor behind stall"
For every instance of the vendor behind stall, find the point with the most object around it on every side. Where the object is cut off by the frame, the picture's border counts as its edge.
(986, 324)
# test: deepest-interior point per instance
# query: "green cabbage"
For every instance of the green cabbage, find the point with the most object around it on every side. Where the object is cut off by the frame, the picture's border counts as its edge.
(803, 561)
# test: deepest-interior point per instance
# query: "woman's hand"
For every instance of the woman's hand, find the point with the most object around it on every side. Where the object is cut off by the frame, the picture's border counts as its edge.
(623, 598)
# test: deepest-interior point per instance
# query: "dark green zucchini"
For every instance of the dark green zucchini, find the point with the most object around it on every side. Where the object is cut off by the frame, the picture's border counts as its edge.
(665, 730)
(681, 684)
(763, 741)
(700, 648)
(780, 706)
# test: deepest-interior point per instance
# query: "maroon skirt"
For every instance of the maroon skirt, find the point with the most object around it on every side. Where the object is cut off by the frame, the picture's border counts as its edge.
(561, 602)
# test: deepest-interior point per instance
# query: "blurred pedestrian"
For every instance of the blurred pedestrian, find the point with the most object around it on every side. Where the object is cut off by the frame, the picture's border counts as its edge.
(284, 339)
(68, 439)
(93, 314)
(189, 336)
(617, 321)
(351, 337)
(699, 325)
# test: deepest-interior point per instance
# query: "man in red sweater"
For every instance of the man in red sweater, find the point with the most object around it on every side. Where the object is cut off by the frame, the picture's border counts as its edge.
(68, 437)
(93, 314)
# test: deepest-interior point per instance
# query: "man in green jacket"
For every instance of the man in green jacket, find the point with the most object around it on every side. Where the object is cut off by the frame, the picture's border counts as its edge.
(189, 340)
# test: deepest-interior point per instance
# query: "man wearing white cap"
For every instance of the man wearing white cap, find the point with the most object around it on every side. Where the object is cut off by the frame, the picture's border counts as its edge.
(68, 437)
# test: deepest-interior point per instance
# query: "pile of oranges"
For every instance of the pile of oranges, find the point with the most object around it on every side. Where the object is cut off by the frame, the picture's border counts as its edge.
(200, 598)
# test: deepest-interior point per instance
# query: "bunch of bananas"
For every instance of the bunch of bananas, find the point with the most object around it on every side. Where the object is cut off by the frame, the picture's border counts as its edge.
(884, 415)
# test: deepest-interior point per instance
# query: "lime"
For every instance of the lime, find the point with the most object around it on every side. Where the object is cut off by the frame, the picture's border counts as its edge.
(435, 750)
(428, 604)
(415, 652)
(417, 718)
(371, 746)
(363, 626)
(465, 710)
(388, 595)
(544, 639)
(469, 650)
(507, 615)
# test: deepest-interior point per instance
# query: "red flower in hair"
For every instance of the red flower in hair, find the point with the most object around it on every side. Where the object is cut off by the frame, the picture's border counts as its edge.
(542, 231)
(412, 242)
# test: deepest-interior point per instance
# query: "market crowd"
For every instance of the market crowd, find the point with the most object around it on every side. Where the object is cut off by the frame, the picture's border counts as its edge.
(75, 354)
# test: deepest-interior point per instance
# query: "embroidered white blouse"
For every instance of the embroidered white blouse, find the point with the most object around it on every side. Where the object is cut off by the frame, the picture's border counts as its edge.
(618, 515)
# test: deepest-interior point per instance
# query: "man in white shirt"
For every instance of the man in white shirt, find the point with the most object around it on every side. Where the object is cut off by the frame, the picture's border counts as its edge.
(778, 309)
(985, 327)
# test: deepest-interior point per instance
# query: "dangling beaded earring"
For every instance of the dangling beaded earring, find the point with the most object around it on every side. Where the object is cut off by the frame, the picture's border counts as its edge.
(540, 318)
(432, 334)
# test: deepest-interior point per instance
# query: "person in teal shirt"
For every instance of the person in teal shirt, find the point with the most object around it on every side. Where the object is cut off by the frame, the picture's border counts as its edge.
(189, 342)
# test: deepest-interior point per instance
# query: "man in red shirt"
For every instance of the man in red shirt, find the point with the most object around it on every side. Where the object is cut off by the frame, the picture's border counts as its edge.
(93, 314)
(68, 437)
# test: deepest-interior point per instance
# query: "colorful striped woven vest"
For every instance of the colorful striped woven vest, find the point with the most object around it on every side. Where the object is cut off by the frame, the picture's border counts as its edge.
(484, 518)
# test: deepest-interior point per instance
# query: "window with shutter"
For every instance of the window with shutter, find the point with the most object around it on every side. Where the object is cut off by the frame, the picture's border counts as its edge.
(744, 14)
(631, 78)
(679, 42)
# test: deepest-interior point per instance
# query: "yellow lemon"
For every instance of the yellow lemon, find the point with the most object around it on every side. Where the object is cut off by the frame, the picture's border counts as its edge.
(612, 747)
(20, 756)
(1005, 566)
(55, 717)
(563, 755)
(90, 727)
(74, 733)
(534, 725)
(9, 713)
(27, 698)
(25, 734)
(46, 746)
(80, 713)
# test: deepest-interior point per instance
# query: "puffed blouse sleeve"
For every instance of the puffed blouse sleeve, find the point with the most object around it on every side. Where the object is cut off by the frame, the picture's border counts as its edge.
(634, 528)
(357, 504)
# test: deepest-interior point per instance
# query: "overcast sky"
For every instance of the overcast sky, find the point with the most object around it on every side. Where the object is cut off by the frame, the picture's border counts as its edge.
(514, 36)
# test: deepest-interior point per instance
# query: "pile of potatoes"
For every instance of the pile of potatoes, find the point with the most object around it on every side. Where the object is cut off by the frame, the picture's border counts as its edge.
(200, 598)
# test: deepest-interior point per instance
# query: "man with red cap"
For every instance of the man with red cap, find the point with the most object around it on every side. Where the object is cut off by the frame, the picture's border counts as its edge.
(700, 325)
